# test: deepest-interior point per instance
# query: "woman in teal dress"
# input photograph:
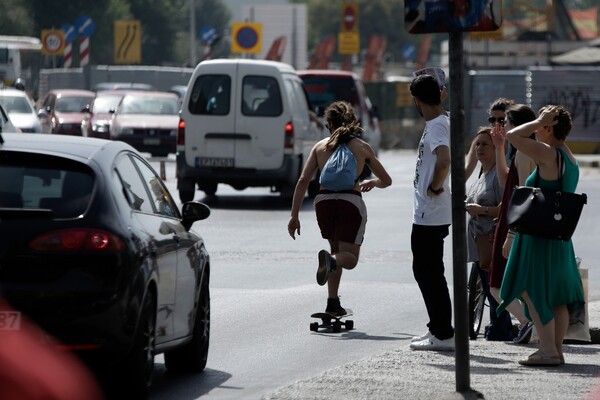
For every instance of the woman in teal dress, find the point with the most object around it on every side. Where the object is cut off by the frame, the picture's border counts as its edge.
(543, 272)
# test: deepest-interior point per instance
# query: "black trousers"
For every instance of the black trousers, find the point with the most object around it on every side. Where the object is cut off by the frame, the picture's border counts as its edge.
(427, 245)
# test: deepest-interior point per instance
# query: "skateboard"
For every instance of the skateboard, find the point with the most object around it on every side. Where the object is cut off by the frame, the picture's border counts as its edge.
(332, 322)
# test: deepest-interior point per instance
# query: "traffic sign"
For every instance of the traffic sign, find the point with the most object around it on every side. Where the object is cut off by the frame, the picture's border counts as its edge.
(128, 41)
(207, 34)
(246, 37)
(348, 43)
(350, 17)
(70, 33)
(409, 51)
(85, 26)
(53, 42)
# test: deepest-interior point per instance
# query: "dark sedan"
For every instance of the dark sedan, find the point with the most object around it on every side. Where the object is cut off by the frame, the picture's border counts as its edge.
(96, 252)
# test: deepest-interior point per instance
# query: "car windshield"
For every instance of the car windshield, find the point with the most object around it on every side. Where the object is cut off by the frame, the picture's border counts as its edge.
(149, 105)
(44, 182)
(322, 91)
(72, 104)
(16, 104)
(103, 104)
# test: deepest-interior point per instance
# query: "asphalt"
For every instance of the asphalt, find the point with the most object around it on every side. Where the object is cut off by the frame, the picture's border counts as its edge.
(493, 371)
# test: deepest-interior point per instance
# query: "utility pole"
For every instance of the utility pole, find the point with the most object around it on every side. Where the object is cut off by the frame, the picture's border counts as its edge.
(193, 58)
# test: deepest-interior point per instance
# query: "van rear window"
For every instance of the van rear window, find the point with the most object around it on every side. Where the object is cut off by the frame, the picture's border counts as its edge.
(261, 97)
(322, 91)
(211, 95)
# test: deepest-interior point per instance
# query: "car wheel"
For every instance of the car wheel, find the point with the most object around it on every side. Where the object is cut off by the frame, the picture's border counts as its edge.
(209, 189)
(135, 376)
(192, 356)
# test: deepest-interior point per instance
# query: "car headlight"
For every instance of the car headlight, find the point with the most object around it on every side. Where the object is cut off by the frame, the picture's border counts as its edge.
(100, 127)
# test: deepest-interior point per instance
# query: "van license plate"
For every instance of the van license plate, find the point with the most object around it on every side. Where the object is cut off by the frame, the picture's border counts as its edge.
(216, 162)
(152, 142)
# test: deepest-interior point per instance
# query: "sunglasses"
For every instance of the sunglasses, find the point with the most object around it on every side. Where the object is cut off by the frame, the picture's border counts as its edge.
(501, 120)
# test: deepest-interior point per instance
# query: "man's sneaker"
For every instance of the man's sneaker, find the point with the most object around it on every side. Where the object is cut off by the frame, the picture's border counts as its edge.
(524, 334)
(434, 344)
(421, 338)
(326, 265)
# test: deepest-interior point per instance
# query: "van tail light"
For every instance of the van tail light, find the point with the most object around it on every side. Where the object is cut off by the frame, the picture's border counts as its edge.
(289, 136)
(181, 132)
(78, 239)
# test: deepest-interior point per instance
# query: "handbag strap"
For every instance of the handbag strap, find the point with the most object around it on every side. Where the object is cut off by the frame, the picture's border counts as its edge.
(560, 164)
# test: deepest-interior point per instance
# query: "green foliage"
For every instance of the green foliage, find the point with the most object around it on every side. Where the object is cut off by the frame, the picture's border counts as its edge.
(15, 19)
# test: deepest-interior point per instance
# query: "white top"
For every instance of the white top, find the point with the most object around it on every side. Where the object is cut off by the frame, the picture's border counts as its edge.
(434, 210)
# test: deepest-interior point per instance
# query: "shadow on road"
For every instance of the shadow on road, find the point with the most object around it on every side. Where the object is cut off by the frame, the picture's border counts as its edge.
(185, 387)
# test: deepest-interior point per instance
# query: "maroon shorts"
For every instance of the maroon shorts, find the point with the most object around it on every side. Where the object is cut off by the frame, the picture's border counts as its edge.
(342, 216)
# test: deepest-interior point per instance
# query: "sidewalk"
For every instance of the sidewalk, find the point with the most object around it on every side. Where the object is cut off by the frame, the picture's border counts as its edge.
(494, 373)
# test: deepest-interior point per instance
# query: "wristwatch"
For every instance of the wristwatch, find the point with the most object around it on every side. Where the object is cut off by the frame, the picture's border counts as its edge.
(438, 191)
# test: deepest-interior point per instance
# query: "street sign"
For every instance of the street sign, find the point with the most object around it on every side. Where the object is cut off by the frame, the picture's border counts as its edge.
(349, 17)
(128, 42)
(409, 52)
(207, 34)
(426, 16)
(53, 42)
(348, 43)
(85, 26)
(246, 37)
(70, 33)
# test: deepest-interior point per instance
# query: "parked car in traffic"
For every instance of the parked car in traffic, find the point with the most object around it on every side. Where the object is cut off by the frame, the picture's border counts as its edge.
(96, 252)
(326, 86)
(97, 117)
(21, 110)
(148, 121)
(62, 110)
(244, 123)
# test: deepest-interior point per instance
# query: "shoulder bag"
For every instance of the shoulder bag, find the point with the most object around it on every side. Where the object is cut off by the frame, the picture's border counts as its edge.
(546, 213)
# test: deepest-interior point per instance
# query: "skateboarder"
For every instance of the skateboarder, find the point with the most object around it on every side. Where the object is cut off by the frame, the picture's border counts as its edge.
(341, 212)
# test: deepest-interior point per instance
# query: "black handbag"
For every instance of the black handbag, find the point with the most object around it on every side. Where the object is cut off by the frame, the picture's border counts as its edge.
(546, 213)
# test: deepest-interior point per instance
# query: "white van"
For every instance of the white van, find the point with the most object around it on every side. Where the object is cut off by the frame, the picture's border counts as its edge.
(244, 123)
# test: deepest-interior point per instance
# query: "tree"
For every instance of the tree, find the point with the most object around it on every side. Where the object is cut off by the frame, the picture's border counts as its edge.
(15, 19)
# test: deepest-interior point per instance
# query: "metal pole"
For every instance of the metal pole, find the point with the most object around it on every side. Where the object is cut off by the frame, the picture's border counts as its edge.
(457, 145)
(193, 58)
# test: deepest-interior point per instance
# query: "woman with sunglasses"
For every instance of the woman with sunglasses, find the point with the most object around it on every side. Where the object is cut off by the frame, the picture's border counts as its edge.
(520, 168)
(500, 328)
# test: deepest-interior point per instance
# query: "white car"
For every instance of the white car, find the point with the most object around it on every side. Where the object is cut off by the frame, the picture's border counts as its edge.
(5, 124)
(20, 110)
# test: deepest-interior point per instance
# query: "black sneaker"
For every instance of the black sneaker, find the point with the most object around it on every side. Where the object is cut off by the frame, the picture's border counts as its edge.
(524, 334)
(335, 308)
(326, 265)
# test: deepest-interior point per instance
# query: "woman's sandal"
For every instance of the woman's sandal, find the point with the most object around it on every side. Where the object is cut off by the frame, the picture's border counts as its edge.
(540, 358)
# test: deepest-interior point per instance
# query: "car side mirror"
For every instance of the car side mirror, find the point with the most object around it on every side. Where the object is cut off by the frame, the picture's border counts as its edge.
(193, 211)
(86, 109)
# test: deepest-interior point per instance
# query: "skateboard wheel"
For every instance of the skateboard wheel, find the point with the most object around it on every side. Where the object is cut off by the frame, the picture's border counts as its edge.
(337, 326)
(314, 326)
(349, 324)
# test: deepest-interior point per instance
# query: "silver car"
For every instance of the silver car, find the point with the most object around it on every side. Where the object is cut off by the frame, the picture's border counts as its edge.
(20, 110)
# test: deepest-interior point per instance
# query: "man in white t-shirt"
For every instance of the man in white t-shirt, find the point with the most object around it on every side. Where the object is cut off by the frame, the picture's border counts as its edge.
(432, 214)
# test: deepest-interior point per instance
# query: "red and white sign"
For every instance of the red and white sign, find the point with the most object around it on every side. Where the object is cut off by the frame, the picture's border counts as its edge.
(349, 17)
(84, 51)
(53, 42)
